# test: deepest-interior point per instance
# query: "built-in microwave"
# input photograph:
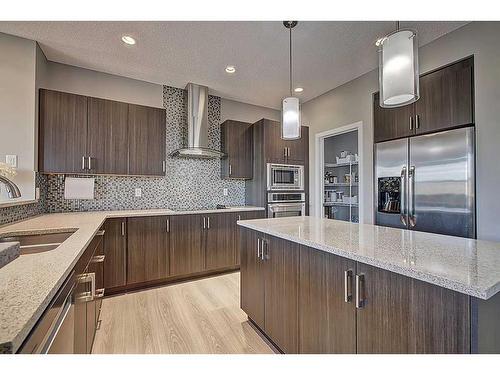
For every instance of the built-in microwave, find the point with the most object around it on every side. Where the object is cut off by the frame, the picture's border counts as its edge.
(285, 177)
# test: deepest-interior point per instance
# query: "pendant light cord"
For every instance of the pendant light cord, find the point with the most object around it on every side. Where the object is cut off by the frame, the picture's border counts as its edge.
(290, 61)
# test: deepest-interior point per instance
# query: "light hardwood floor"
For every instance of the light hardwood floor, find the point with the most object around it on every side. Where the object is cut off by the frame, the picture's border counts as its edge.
(201, 316)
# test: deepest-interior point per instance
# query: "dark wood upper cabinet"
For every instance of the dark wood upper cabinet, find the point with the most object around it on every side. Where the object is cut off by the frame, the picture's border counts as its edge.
(278, 150)
(115, 251)
(327, 323)
(392, 123)
(148, 249)
(446, 98)
(446, 101)
(63, 132)
(298, 150)
(237, 144)
(79, 134)
(252, 276)
(107, 136)
(187, 255)
(146, 140)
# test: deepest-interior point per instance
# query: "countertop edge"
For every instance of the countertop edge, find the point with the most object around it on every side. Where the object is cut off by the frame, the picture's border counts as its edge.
(417, 275)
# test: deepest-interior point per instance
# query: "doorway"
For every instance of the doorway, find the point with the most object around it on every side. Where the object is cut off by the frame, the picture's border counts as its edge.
(339, 173)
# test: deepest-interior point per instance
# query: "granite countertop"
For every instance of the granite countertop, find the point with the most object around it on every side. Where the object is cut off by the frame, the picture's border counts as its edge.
(8, 252)
(464, 265)
(28, 284)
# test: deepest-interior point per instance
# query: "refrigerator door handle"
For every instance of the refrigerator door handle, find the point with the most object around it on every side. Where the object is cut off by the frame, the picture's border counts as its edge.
(403, 210)
(411, 197)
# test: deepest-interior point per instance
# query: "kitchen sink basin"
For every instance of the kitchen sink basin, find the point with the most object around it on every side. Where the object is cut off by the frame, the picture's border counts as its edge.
(37, 243)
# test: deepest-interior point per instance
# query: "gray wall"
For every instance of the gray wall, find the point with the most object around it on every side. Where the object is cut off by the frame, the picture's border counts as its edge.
(233, 110)
(352, 102)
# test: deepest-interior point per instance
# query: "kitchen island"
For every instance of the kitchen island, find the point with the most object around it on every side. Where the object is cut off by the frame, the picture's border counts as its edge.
(315, 285)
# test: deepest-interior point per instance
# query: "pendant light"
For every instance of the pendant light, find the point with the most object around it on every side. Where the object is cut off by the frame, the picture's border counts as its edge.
(398, 68)
(290, 111)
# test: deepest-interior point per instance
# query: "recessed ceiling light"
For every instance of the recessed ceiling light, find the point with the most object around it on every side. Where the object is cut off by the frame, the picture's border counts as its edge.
(298, 89)
(230, 69)
(127, 39)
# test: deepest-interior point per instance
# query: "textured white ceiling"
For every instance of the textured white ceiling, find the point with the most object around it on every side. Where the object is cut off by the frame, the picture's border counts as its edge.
(326, 54)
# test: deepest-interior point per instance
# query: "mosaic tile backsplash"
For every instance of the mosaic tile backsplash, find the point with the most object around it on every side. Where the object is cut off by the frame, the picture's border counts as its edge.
(188, 184)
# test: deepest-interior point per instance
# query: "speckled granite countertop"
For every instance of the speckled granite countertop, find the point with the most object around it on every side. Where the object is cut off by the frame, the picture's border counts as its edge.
(29, 283)
(8, 252)
(468, 266)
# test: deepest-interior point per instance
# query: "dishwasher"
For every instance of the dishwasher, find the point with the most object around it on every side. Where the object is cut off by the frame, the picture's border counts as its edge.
(54, 333)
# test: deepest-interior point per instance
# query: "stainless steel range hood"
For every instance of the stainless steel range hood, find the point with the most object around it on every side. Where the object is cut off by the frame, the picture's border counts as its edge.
(197, 131)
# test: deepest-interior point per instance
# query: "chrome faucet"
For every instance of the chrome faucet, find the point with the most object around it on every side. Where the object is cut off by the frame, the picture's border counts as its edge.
(12, 188)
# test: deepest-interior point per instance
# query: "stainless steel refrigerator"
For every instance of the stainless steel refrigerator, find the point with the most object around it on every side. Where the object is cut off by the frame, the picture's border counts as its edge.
(427, 183)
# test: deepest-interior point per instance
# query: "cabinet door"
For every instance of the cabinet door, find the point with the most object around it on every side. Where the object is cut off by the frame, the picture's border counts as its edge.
(186, 251)
(298, 150)
(446, 98)
(63, 132)
(244, 215)
(251, 277)
(107, 136)
(327, 322)
(90, 312)
(237, 143)
(146, 140)
(115, 251)
(274, 146)
(80, 316)
(281, 293)
(147, 257)
(219, 241)
(98, 267)
(382, 322)
(392, 123)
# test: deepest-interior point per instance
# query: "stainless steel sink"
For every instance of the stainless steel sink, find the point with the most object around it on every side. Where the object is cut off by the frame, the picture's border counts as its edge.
(37, 243)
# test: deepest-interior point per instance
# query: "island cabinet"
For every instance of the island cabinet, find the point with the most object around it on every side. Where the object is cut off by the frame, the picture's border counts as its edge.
(237, 144)
(446, 101)
(310, 301)
(269, 287)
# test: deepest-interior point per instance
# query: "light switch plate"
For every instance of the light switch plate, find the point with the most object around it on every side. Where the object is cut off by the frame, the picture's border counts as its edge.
(11, 160)
(138, 192)
(225, 192)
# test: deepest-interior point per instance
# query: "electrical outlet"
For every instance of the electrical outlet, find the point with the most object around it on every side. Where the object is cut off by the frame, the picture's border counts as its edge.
(37, 193)
(225, 192)
(11, 160)
(138, 192)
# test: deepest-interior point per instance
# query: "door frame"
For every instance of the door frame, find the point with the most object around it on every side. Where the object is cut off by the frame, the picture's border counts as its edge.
(320, 166)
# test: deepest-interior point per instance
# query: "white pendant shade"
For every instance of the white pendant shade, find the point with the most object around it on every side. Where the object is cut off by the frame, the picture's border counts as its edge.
(398, 69)
(290, 118)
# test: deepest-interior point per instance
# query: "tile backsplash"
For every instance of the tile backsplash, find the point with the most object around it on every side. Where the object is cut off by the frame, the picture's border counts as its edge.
(188, 183)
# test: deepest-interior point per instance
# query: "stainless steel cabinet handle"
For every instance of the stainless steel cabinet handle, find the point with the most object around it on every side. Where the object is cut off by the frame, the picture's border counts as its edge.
(411, 197)
(164, 166)
(86, 278)
(258, 248)
(208, 222)
(204, 222)
(284, 152)
(239, 217)
(288, 151)
(123, 228)
(411, 122)
(90, 162)
(98, 258)
(360, 299)
(100, 233)
(168, 225)
(83, 162)
(230, 170)
(348, 286)
(99, 293)
(417, 122)
(402, 209)
(265, 253)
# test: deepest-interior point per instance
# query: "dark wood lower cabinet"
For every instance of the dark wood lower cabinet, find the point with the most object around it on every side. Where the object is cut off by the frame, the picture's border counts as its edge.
(281, 291)
(148, 248)
(305, 302)
(252, 279)
(327, 324)
(115, 251)
(186, 250)
(219, 241)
